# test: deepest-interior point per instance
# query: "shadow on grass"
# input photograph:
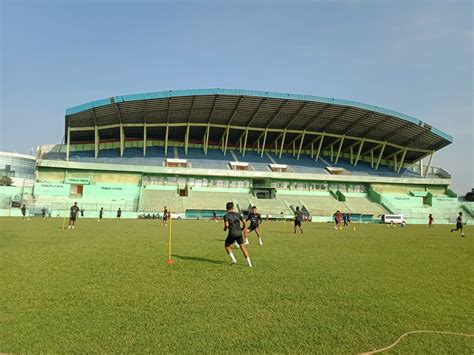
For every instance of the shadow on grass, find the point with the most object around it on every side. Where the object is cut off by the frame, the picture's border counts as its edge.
(197, 258)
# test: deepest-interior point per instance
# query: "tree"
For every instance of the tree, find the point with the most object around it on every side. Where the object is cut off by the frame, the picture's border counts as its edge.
(5, 181)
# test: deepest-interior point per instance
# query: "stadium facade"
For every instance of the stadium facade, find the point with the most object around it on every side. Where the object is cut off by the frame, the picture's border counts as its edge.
(194, 150)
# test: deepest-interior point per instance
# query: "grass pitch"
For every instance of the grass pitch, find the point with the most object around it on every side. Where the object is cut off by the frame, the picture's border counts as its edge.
(105, 287)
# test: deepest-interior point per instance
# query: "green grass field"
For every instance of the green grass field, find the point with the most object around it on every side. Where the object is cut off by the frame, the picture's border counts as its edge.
(105, 287)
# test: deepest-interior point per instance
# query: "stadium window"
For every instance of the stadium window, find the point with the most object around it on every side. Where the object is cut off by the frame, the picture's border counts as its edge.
(191, 182)
(204, 182)
(198, 182)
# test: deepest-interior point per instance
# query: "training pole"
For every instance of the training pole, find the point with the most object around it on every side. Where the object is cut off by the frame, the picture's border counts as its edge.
(170, 261)
(64, 218)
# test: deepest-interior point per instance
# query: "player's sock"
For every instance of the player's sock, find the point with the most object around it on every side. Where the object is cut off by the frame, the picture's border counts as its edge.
(72, 227)
(69, 227)
(247, 242)
(260, 241)
(232, 258)
(249, 263)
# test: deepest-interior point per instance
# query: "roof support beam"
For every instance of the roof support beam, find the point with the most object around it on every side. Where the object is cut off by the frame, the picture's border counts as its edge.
(212, 109)
(144, 139)
(371, 158)
(429, 164)
(275, 115)
(335, 119)
(317, 116)
(68, 143)
(245, 141)
(166, 139)
(295, 116)
(282, 143)
(359, 151)
(206, 146)
(339, 150)
(402, 160)
(234, 111)
(352, 125)
(380, 155)
(301, 145)
(264, 141)
(186, 142)
(319, 147)
(255, 113)
(96, 143)
(226, 139)
(122, 140)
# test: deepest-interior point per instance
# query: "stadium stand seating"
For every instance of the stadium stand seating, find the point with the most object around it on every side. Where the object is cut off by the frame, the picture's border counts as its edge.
(304, 165)
(361, 204)
(154, 200)
(214, 159)
(254, 159)
(271, 207)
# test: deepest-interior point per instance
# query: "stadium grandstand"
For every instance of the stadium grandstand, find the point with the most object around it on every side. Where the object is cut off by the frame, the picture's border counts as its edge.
(193, 150)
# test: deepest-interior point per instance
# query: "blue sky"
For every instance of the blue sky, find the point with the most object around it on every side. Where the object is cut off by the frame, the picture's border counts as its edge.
(411, 56)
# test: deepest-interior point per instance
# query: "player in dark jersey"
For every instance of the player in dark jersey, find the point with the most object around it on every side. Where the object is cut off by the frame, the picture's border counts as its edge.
(255, 219)
(101, 214)
(459, 225)
(298, 219)
(164, 221)
(43, 212)
(119, 213)
(74, 210)
(23, 211)
(232, 222)
(430, 220)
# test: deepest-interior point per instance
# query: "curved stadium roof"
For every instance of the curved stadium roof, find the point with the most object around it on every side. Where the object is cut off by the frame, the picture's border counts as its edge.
(257, 110)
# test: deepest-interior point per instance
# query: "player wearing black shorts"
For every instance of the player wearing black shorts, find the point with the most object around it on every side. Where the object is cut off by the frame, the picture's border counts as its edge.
(43, 212)
(255, 219)
(459, 225)
(74, 210)
(164, 221)
(119, 213)
(298, 219)
(23, 211)
(232, 222)
(101, 214)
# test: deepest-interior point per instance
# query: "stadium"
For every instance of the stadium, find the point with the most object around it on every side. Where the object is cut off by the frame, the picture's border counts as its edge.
(192, 150)
(89, 281)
